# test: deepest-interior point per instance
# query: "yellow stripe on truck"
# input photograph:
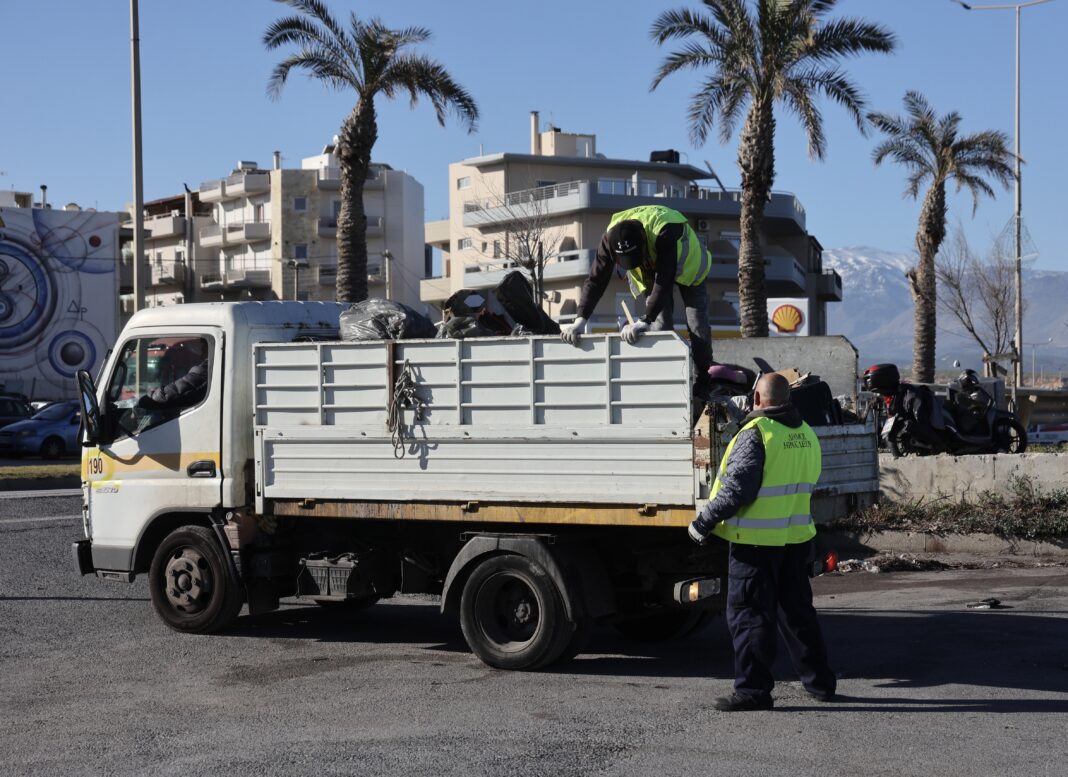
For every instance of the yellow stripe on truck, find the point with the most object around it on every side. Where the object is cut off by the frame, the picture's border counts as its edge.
(98, 465)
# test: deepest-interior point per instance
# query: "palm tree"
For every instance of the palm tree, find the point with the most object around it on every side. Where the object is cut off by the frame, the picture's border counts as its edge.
(370, 59)
(784, 51)
(931, 150)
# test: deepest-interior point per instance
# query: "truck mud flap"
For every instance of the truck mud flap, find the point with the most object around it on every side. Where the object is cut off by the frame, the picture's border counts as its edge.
(82, 553)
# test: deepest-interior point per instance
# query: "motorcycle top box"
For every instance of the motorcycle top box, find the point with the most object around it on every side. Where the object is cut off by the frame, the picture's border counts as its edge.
(882, 378)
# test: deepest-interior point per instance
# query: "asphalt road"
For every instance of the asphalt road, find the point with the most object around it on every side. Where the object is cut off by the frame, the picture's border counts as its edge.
(91, 682)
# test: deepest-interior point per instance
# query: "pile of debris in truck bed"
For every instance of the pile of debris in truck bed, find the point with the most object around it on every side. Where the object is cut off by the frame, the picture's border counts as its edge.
(506, 310)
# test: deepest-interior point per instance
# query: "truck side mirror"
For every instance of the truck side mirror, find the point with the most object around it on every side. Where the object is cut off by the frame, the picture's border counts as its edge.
(90, 408)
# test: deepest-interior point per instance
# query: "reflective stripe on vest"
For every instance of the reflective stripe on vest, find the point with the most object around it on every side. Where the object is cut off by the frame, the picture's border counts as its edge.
(693, 260)
(780, 514)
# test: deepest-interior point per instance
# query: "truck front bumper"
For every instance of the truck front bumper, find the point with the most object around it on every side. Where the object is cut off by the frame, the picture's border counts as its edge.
(82, 551)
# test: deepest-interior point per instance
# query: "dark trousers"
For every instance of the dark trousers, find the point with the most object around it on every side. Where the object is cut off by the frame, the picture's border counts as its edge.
(695, 300)
(768, 594)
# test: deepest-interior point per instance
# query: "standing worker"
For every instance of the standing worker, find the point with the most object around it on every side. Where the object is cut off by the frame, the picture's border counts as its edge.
(659, 250)
(760, 504)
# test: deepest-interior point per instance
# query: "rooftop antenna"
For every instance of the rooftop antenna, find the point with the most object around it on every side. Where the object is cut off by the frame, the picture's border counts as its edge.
(714, 176)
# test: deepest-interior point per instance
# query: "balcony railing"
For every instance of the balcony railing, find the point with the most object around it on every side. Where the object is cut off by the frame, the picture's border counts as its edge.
(246, 183)
(236, 232)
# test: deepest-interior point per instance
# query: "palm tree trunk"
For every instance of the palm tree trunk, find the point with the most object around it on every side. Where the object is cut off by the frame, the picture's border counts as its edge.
(756, 159)
(358, 135)
(929, 236)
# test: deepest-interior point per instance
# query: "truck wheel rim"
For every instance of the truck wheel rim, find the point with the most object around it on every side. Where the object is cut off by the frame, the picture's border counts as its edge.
(188, 581)
(508, 611)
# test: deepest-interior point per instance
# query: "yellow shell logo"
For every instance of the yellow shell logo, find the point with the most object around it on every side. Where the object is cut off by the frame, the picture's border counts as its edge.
(787, 319)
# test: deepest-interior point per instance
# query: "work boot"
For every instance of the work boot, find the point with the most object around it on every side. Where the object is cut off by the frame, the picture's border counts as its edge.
(736, 703)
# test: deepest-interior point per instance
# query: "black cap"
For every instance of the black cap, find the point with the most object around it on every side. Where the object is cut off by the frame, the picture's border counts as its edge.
(626, 241)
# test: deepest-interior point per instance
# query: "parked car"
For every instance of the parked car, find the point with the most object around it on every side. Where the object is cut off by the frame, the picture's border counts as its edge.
(50, 432)
(13, 407)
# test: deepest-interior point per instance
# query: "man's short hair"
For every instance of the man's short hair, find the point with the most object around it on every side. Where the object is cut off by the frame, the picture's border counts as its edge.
(774, 389)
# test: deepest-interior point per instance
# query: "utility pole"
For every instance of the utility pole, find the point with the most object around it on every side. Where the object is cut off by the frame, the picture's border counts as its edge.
(387, 268)
(139, 193)
(1018, 212)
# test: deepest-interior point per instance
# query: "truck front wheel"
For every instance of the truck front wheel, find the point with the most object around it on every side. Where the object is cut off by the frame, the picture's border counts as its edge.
(512, 614)
(193, 588)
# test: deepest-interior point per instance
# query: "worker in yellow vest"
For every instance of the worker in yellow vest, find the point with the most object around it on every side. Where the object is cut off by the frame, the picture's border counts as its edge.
(659, 251)
(760, 504)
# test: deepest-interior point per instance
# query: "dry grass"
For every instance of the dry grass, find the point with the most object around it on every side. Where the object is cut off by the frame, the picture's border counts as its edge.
(35, 471)
(1027, 513)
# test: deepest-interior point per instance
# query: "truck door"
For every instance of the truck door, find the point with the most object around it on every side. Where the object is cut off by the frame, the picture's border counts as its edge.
(162, 405)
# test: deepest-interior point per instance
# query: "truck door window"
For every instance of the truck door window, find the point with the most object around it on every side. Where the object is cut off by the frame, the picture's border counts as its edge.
(155, 379)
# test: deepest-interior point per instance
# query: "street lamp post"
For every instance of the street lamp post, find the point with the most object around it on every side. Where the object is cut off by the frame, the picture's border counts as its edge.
(1033, 346)
(1018, 340)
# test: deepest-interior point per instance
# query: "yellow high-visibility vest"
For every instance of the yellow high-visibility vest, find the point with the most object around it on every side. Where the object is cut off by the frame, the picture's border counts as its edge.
(693, 260)
(780, 515)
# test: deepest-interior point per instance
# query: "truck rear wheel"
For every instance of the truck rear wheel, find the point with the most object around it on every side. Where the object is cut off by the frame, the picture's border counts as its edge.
(192, 585)
(512, 614)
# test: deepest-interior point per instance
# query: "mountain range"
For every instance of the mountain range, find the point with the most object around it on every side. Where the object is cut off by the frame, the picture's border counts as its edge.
(876, 313)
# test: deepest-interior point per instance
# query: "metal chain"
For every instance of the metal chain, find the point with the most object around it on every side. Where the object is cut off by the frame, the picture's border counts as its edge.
(404, 395)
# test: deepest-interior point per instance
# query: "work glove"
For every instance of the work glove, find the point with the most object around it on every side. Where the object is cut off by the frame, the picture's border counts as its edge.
(570, 334)
(696, 535)
(631, 332)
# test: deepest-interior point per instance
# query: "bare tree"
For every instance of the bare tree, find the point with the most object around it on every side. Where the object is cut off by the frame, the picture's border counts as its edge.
(978, 292)
(521, 230)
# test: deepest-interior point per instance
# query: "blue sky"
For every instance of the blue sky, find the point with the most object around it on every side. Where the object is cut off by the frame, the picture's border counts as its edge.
(66, 119)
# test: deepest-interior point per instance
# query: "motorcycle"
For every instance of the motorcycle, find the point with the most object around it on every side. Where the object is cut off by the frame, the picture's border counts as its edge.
(920, 423)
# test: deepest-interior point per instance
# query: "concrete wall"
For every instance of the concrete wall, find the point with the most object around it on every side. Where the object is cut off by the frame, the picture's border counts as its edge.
(928, 478)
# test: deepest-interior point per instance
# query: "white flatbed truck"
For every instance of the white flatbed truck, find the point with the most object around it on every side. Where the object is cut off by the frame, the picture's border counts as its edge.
(536, 487)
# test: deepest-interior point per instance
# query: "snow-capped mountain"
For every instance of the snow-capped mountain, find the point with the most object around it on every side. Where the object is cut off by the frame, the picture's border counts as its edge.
(876, 312)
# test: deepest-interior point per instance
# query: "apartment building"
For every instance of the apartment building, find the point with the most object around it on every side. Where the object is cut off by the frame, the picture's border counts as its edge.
(558, 199)
(172, 252)
(275, 232)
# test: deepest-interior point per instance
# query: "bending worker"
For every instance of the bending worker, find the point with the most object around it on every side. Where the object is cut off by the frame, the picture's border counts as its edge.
(760, 504)
(659, 250)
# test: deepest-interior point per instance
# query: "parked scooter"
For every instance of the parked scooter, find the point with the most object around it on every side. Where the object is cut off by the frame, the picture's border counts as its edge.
(920, 423)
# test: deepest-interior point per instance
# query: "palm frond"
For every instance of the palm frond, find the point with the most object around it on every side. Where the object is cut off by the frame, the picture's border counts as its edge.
(690, 57)
(799, 100)
(683, 23)
(975, 186)
(845, 38)
(421, 76)
(904, 152)
(319, 62)
(834, 84)
(317, 10)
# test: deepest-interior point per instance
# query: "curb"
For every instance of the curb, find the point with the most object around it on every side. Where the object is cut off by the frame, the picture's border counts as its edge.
(921, 542)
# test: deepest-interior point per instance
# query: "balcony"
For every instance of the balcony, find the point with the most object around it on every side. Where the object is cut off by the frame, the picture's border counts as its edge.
(568, 265)
(375, 226)
(164, 226)
(829, 286)
(329, 178)
(167, 273)
(783, 274)
(213, 191)
(434, 290)
(243, 184)
(215, 235)
(528, 203)
(238, 274)
(327, 226)
(783, 213)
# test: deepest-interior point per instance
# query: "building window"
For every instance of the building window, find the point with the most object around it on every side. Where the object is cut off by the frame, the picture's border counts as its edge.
(257, 213)
(646, 188)
(496, 249)
(179, 257)
(300, 251)
(463, 244)
(542, 184)
(463, 183)
(611, 186)
(300, 203)
(337, 208)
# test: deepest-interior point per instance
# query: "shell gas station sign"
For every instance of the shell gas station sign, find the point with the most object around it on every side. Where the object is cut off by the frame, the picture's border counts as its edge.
(787, 316)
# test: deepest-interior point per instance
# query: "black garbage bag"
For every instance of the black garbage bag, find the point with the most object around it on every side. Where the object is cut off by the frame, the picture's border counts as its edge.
(463, 327)
(383, 319)
(517, 298)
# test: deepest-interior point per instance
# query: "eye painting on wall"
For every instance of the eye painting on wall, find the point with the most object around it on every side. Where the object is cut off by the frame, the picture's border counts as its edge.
(58, 297)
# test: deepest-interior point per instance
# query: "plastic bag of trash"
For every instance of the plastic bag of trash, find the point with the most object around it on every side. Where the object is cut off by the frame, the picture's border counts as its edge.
(517, 297)
(463, 327)
(383, 319)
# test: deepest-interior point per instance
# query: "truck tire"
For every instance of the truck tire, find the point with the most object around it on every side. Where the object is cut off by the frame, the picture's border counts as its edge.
(192, 585)
(512, 614)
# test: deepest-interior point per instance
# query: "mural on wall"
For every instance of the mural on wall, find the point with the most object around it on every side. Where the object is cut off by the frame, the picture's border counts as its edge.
(58, 297)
